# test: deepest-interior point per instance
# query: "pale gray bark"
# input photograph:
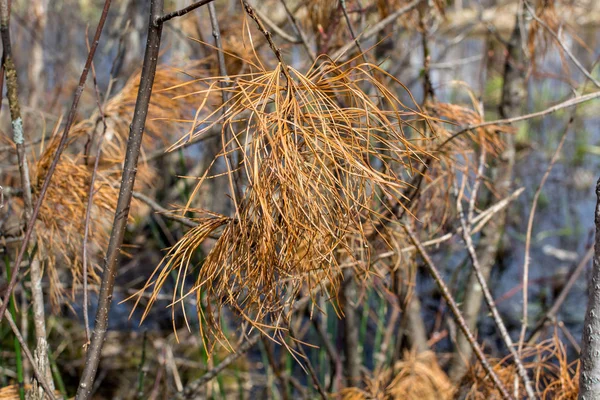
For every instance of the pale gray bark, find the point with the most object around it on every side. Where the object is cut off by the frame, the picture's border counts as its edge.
(589, 377)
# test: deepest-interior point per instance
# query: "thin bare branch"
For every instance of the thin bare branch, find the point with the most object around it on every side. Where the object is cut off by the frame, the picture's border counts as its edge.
(527, 260)
(303, 38)
(193, 387)
(180, 13)
(38, 374)
(90, 204)
(19, 138)
(61, 146)
(433, 270)
(375, 29)
(562, 45)
(507, 121)
(490, 300)
(167, 214)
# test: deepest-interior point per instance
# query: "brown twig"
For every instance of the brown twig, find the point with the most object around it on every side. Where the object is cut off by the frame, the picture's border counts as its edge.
(433, 270)
(90, 204)
(193, 387)
(278, 31)
(348, 296)
(308, 364)
(303, 38)
(378, 27)
(180, 13)
(61, 146)
(562, 45)
(350, 29)
(268, 345)
(160, 209)
(507, 121)
(134, 143)
(334, 358)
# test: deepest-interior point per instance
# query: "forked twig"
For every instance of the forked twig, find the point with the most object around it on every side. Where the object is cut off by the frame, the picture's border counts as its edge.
(489, 300)
(375, 29)
(303, 38)
(433, 270)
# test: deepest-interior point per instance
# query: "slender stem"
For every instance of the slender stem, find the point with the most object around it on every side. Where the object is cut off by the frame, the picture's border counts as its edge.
(433, 270)
(193, 387)
(378, 27)
(37, 295)
(36, 371)
(527, 257)
(134, 143)
(303, 38)
(351, 30)
(226, 137)
(311, 369)
(182, 12)
(489, 300)
(507, 121)
(562, 45)
(88, 211)
(160, 209)
(12, 309)
(589, 384)
(61, 146)
(348, 296)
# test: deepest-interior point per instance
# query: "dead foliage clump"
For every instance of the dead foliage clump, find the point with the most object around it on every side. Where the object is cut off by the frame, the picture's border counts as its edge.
(554, 377)
(417, 376)
(166, 120)
(309, 147)
(62, 214)
(61, 220)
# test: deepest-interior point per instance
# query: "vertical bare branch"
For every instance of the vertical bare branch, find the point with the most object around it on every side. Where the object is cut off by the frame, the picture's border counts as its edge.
(88, 211)
(18, 137)
(487, 295)
(61, 146)
(303, 38)
(348, 296)
(529, 232)
(589, 384)
(134, 143)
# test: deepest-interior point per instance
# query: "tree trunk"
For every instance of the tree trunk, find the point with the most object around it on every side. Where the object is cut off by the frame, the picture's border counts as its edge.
(589, 377)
